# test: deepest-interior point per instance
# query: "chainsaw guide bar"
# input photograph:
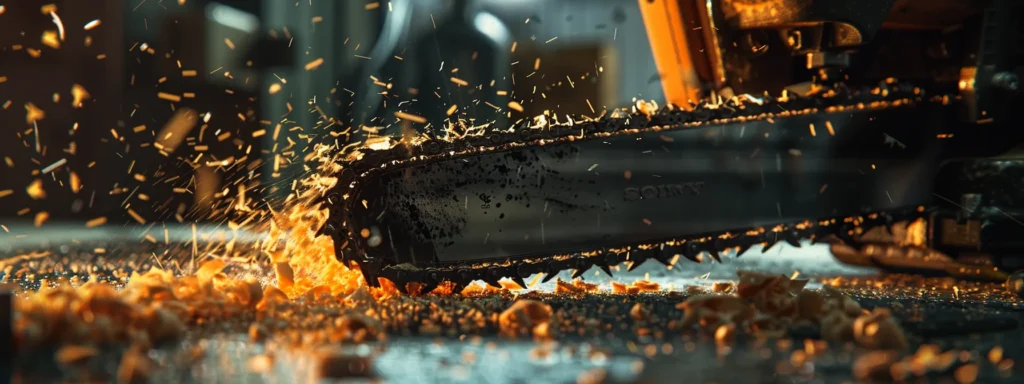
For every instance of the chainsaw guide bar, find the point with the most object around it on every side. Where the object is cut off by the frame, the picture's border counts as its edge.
(404, 213)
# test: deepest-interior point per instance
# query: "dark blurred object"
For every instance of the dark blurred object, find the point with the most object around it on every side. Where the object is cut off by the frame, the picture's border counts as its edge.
(270, 53)
(6, 323)
(467, 45)
(1015, 284)
(913, 260)
(985, 199)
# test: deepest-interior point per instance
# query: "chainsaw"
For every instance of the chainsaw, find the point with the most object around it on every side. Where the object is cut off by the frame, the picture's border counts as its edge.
(844, 151)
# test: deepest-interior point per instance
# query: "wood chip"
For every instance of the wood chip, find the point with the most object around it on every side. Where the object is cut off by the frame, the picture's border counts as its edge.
(96, 222)
(523, 316)
(138, 218)
(966, 374)
(73, 354)
(314, 64)
(168, 96)
(260, 364)
(41, 218)
(285, 275)
(411, 117)
(135, 367)
(75, 181)
(176, 130)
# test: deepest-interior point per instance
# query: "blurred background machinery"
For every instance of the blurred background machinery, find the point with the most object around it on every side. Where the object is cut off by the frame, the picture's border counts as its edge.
(188, 103)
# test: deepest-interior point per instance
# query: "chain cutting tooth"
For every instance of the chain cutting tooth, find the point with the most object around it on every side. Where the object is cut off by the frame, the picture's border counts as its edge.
(457, 286)
(713, 248)
(371, 272)
(450, 276)
(578, 272)
(565, 264)
(792, 237)
(465, 276)
(691, 251)
(743, 248)
(525, 270)
(665, 258)
(583, 264)
(430, 282)
(548, 276)
(770, 241)
(406, 277)
(553, 269)
(428, 287)
(492, 277)
(403, 288)
(610, 258)
(637, 259)
(714, 254)
(396, 277)
(519, 281)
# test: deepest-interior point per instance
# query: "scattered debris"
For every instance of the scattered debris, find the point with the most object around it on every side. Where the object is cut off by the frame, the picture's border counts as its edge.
(525, 317)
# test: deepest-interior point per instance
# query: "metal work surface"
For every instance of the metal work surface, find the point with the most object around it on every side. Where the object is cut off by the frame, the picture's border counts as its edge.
(974, 317)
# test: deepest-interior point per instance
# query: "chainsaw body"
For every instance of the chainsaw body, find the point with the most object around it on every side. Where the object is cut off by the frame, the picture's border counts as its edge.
(840, 149)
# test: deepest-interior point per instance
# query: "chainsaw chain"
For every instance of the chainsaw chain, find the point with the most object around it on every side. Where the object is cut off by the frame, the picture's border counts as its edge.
(351, 249)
